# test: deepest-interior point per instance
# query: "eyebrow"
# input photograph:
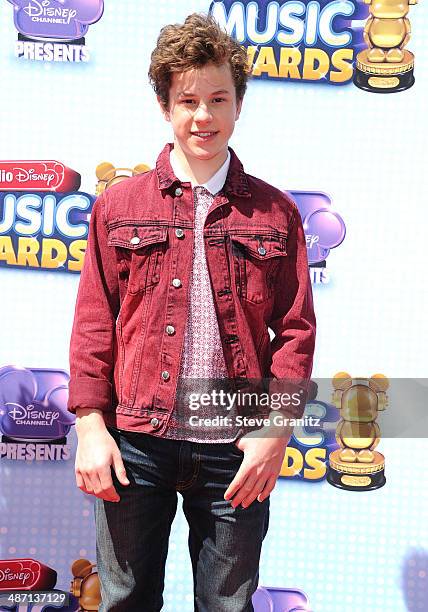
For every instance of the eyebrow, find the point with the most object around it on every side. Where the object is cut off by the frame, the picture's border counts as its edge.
(188, 94)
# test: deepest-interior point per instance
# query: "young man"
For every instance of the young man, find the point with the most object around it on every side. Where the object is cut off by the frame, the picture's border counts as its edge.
(186, 268)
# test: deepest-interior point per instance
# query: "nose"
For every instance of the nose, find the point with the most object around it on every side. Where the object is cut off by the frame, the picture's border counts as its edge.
(202, 113)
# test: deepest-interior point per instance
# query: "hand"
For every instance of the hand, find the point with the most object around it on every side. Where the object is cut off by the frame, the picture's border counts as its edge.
(96, 452)
(259, 470)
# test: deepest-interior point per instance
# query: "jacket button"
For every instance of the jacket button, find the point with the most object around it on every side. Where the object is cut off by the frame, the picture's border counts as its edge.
(154, 422)
(176, 282)
(165, 375)
(179, 233)
(170, 330)
(135, 240)
(178, 192)
(262, 250)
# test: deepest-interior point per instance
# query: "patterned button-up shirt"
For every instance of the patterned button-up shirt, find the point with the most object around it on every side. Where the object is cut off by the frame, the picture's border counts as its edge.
(202, 365)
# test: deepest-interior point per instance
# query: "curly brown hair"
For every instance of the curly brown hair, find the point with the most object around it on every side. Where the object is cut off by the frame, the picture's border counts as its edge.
(200, 40)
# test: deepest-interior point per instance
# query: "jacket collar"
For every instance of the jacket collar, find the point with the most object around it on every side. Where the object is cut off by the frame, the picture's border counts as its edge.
(236, 181)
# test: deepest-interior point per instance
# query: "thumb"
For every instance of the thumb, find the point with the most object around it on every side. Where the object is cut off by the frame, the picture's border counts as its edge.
(119, 468)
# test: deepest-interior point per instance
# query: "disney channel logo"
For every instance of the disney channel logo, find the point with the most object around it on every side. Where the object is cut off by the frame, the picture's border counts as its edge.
(34, 419)
(44, 12)
(54, 30)
(324, 230)
(31, 414)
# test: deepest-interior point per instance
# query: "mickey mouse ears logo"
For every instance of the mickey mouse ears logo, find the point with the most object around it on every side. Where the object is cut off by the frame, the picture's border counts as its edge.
(327, 228)
(324, 228)
(33, 405)
(58, 19)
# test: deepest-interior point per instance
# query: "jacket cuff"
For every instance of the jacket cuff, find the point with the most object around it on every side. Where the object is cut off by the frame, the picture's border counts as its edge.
(89, 392)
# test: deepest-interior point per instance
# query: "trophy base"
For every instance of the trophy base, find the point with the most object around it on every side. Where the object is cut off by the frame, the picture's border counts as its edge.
(384, 77)
(356, 476)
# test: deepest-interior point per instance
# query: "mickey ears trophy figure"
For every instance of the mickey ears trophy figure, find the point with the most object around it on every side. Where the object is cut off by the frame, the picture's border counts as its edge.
(355, 465)
(386, 66)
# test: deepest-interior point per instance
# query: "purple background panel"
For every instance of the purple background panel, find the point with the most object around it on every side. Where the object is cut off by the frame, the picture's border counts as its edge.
(74, 20)
(24, 392)
(324, 227)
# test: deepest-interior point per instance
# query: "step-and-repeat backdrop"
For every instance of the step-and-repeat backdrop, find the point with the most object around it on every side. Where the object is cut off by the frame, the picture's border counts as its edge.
(335, 114)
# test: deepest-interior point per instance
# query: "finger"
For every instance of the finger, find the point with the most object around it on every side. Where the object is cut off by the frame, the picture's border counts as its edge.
(93, 483)
(87, 486)
(119, 468)
(245, 489)
(102, 484)
(108, 492)
(237, 481)
(258, 487)
(268, 488)
(79, 479)
(82, 485)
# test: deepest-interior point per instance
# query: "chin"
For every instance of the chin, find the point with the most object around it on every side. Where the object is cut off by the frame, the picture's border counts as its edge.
(209, 148)
(204, 153)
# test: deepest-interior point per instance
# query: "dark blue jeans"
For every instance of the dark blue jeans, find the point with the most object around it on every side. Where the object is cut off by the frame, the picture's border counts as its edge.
(132, 534)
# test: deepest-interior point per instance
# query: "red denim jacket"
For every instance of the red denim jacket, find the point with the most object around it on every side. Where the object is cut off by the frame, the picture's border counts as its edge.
(132, 302)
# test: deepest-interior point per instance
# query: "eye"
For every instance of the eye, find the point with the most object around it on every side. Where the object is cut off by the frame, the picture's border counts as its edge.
(187, 101)
(219, 99)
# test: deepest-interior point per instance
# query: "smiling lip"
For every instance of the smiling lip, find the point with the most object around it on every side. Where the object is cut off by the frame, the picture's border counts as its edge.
(204, 135)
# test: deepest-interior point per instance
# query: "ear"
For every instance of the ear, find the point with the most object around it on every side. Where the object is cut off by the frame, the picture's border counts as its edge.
(164, 111)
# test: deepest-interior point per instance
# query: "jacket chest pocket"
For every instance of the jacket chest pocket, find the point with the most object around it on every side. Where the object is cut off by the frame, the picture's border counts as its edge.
(256, 260)
(140, 251)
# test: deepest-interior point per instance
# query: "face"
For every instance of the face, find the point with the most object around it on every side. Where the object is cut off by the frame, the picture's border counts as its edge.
(203, 110)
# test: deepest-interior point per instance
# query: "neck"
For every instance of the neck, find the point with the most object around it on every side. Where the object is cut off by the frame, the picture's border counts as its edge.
(199, 170)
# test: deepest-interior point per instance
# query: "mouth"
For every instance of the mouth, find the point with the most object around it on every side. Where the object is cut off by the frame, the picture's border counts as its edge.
(204, 135)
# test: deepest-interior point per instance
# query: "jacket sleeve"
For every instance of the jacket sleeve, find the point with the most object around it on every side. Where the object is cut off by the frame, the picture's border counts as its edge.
(97, 306)
(293, 322)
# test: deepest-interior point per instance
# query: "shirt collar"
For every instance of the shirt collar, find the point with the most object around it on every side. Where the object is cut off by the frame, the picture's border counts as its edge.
(213, 185)
(236, 181)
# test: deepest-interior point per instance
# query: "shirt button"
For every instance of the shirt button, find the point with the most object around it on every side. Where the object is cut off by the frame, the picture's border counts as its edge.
(170, 330)
(165, 375)
(179, 233)
(135, 240)
(262, 250)
(154, 422)
(178, 192)
(176, 282)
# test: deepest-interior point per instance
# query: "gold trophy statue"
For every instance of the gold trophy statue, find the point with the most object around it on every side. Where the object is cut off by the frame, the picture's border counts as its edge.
(386, 66)
(108, 175)
(356, 466)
